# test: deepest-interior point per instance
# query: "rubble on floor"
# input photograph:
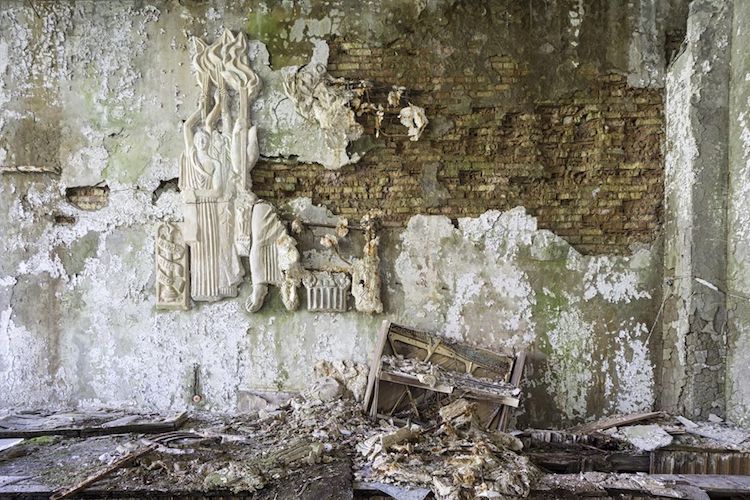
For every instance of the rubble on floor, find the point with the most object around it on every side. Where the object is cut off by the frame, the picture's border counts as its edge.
(322, 444)
(454, 458)
(653, 442)
(310, 448)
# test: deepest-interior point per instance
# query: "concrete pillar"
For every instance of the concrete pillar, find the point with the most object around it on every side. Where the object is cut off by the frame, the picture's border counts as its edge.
(695, 262)
(738, 215)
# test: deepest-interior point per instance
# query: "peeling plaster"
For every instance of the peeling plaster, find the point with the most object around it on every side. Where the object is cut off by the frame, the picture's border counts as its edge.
(484, 283)
(571, 343)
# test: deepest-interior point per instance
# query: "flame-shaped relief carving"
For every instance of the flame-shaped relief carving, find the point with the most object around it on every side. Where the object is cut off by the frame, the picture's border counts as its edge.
(223, 218)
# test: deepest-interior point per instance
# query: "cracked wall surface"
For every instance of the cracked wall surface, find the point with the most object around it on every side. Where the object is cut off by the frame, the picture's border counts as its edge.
(92, 101)
(695, 259)
(738, 262)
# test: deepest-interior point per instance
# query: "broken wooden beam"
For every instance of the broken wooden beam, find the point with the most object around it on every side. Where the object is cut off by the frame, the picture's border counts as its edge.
(375, 364)
(616, 421)
(587, 460)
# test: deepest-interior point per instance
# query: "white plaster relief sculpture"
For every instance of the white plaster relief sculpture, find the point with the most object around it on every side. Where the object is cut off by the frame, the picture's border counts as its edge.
(366, 271)
(172, 276)
(273, 256)
(327, 291)
(362, 272)
(224, 219)
(317, 98)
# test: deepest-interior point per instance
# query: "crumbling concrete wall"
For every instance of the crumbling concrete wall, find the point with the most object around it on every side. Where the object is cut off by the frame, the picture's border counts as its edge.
(92, 98)
(738, 215)
(695, 216)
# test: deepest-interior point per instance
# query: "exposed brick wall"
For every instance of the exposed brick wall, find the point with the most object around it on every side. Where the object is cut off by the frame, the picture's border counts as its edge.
(88, 197)
(588, 165)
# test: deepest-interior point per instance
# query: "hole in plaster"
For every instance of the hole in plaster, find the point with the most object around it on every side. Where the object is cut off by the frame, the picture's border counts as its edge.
(88, 197)
(168, 185)
(63, 219)
(455, 223)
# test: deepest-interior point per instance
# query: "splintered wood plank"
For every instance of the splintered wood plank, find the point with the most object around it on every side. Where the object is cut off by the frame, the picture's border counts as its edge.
(718, 484)
(474, 393)
(127, 419)
(148, 427)
(617, 421)
(375, 362)
(515, 379)
(659, 485)
(582, 460)
(405, 379)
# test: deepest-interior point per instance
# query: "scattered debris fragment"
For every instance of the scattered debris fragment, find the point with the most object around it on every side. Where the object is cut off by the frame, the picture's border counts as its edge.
(716, 431)
(353, 376)
(617, 420)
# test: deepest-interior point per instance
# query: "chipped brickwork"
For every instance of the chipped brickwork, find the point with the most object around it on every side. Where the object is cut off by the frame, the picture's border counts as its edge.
(587, 164)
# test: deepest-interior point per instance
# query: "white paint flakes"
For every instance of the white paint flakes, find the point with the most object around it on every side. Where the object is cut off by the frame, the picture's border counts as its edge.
(571, 343)
(606, 277)
(634, 369)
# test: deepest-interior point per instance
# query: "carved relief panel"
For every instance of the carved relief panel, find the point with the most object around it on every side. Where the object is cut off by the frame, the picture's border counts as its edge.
(327, 291)
(172, 274)
(224, 221)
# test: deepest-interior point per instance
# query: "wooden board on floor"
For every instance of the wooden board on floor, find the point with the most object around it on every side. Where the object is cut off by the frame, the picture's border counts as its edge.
(29, 425)
(656, 485)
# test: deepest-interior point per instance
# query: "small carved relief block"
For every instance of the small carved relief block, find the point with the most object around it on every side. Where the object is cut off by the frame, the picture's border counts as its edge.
(172, 274)
(327, 291)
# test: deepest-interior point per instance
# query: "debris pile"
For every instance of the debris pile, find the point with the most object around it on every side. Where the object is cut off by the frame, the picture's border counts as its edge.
(353, 376)
(454, 457)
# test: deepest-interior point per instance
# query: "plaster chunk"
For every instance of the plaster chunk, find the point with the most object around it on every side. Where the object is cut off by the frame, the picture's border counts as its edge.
(352, 375)
(646, 437)
(366, 271)
(327, 291)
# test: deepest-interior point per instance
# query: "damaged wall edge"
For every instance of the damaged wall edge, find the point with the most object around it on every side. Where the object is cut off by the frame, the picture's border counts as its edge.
(697, 173)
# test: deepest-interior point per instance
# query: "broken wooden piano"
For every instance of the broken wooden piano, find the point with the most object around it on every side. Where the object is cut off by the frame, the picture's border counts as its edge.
(414, 373)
